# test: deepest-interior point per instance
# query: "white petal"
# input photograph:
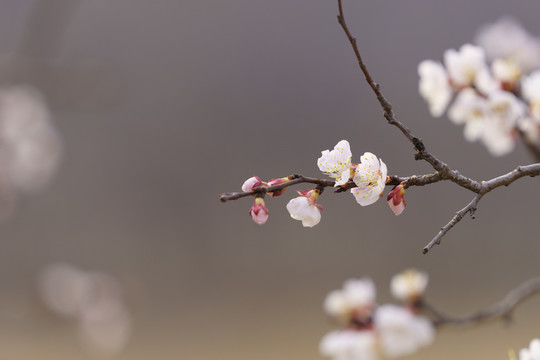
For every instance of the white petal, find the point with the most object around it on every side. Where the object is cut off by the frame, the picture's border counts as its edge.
(345, 176)
(434, 86)
(301, 209)
(359, 292)
(335, 304)
(334, 163)
(349, 345)
(402, 333)
(365, 196)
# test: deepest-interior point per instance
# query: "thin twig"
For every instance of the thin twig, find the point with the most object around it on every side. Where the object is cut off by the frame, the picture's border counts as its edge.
(471, 207)
(501, 309)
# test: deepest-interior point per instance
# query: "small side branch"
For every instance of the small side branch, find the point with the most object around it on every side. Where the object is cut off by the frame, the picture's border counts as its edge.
(485, 187)
(470, 208)
(500, 310)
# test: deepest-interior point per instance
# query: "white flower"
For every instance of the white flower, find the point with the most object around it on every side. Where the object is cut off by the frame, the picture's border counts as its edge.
(349, 345)
(401, 332)
(506, 70)
(370, 177)
(434, 86)
(409, 285)
(305, 208)
(506, 38)
(356, 296)
(337, 163)
(505, 110)
(532, 352)
(530, 87)
(492, 119)
(463, 66)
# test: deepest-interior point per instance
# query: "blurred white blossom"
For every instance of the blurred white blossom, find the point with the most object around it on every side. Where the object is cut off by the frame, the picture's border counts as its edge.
(409, 285)
(400, 331)
(434, 86)
(93, 300)
(532, 352)
(30, 147)
(463, 65)
(530, 88)
(372, 331)
(356, 297)
(506, 38)
(349, 345)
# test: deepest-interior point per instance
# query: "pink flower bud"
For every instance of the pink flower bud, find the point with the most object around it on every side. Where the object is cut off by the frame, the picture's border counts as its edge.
(251, 183)
(278, 182)
(259, 212)
(396, 199)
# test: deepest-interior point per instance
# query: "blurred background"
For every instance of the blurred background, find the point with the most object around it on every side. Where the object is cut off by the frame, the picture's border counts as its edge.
(160, 106)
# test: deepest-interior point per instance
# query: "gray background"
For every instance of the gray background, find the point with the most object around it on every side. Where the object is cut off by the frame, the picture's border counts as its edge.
(165, 104)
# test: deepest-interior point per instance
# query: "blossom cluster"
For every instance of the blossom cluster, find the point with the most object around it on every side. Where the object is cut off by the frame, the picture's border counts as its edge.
(495, 87)
(93, 300)
(372, 331)
(369, 178)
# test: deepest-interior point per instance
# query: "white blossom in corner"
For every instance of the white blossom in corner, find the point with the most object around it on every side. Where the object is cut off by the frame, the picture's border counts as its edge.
(349, 344)
(370, 179)
(355, 298)
(305, 208)
(401, 332)
(337, 163)
(409, 285)
(434, 86)
(532, 352)
(463, 65)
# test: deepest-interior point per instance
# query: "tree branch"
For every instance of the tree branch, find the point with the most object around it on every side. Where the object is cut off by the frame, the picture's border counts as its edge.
(502, 309)
(470, 208)
(486, 186)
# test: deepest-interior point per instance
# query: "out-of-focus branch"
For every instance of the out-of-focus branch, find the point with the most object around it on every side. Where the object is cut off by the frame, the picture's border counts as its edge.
(500, 310)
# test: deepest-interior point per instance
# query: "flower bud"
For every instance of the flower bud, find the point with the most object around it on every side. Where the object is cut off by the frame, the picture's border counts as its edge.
(251, 183)
(259, 212)
(396, 199)
(278, 182)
